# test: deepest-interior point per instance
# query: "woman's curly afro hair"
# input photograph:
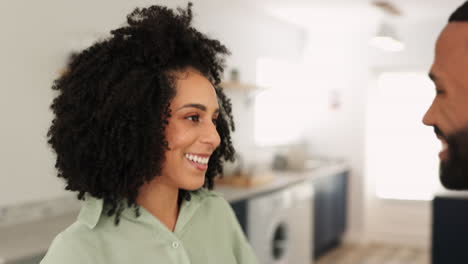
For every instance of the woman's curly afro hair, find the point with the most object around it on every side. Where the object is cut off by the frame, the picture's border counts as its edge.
(113, 101)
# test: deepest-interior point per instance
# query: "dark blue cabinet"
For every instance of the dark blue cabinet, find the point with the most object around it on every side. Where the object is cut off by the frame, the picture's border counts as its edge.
(240, 210)
(329, 211)
(449, 230)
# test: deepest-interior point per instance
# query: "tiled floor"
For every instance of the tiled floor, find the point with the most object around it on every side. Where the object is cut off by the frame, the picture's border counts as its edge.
(375, 254)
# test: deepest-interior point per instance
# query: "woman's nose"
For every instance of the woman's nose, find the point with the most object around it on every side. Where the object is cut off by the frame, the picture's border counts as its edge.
(211, 135)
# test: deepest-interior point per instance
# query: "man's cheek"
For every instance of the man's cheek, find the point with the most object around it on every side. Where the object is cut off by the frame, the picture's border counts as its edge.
(450, 120)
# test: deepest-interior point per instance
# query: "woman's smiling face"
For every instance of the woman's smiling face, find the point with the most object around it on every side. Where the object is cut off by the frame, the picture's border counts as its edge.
(191, 133)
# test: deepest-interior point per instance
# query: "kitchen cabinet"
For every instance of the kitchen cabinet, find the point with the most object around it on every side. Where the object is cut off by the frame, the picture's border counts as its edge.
(240, 210)
(329, 211)
(449, 228)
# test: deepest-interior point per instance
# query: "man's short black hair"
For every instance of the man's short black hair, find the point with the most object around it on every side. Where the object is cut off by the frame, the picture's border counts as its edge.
(461, 14)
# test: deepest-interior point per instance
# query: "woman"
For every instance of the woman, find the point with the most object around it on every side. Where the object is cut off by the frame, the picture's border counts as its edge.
(140, 131)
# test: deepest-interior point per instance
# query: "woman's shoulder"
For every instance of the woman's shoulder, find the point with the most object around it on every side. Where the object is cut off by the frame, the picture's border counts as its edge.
(72, 245)
(213, 202)
(204, 195)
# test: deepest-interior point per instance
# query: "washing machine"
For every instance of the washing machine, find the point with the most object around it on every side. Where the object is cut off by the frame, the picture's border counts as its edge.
(280, 225)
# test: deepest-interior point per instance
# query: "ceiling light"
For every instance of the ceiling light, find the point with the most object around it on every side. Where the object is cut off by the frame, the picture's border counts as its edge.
(386, 39)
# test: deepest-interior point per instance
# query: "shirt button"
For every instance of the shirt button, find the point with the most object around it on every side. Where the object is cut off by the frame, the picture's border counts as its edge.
(175, 244)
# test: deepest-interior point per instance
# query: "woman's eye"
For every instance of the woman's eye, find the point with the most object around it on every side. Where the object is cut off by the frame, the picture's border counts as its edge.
(193, 118)
(215, 121)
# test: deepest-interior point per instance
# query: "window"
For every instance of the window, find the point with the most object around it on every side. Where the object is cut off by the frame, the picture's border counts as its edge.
(402, 153)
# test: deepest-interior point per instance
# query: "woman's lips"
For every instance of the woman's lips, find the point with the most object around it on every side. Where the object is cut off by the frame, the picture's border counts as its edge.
(199, 161)
(199, 166)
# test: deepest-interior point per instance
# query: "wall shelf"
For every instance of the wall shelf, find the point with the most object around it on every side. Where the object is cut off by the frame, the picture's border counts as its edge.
(239, 86)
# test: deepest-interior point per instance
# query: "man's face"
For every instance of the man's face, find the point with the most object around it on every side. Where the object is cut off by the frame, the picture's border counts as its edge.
(448, 113)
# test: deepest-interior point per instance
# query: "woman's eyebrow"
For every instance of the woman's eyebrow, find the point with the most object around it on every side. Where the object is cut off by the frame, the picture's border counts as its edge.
(198, 106)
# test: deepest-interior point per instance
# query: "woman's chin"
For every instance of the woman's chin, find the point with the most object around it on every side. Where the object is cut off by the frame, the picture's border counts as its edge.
(192, 185)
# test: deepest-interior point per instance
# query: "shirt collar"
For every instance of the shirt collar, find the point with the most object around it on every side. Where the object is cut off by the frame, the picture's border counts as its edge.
(91, 211)
(189, 208)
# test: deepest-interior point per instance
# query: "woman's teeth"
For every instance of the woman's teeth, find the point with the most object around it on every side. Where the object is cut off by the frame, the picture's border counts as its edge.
(197, 159)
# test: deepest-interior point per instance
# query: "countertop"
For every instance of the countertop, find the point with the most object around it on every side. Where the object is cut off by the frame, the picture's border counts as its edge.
(281, 179)
(33, 239)
(452, 194)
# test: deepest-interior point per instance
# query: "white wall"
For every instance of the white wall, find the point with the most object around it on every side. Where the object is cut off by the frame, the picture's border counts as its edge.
(36, 38)
(338, 59)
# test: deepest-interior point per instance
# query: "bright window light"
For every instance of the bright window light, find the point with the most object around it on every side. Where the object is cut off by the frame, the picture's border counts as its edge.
(387, 44)
(401, 152)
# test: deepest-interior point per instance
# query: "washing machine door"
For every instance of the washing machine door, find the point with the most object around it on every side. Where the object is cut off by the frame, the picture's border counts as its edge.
(269, 227)
(279, 243)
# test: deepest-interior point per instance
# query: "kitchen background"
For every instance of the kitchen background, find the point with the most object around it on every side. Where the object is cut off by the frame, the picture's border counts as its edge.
(311, 83)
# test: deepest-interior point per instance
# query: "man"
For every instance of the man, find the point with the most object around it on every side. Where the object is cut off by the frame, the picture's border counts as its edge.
(448, 113)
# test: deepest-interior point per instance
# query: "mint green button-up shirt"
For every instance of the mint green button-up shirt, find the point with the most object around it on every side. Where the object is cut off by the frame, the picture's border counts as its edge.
(206, 232)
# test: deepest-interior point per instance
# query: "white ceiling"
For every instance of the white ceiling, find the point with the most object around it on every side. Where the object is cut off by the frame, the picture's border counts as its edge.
(299, 11)
(435, 8)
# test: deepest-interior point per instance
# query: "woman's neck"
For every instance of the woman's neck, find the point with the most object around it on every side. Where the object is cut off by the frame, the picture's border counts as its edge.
(160, 200)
